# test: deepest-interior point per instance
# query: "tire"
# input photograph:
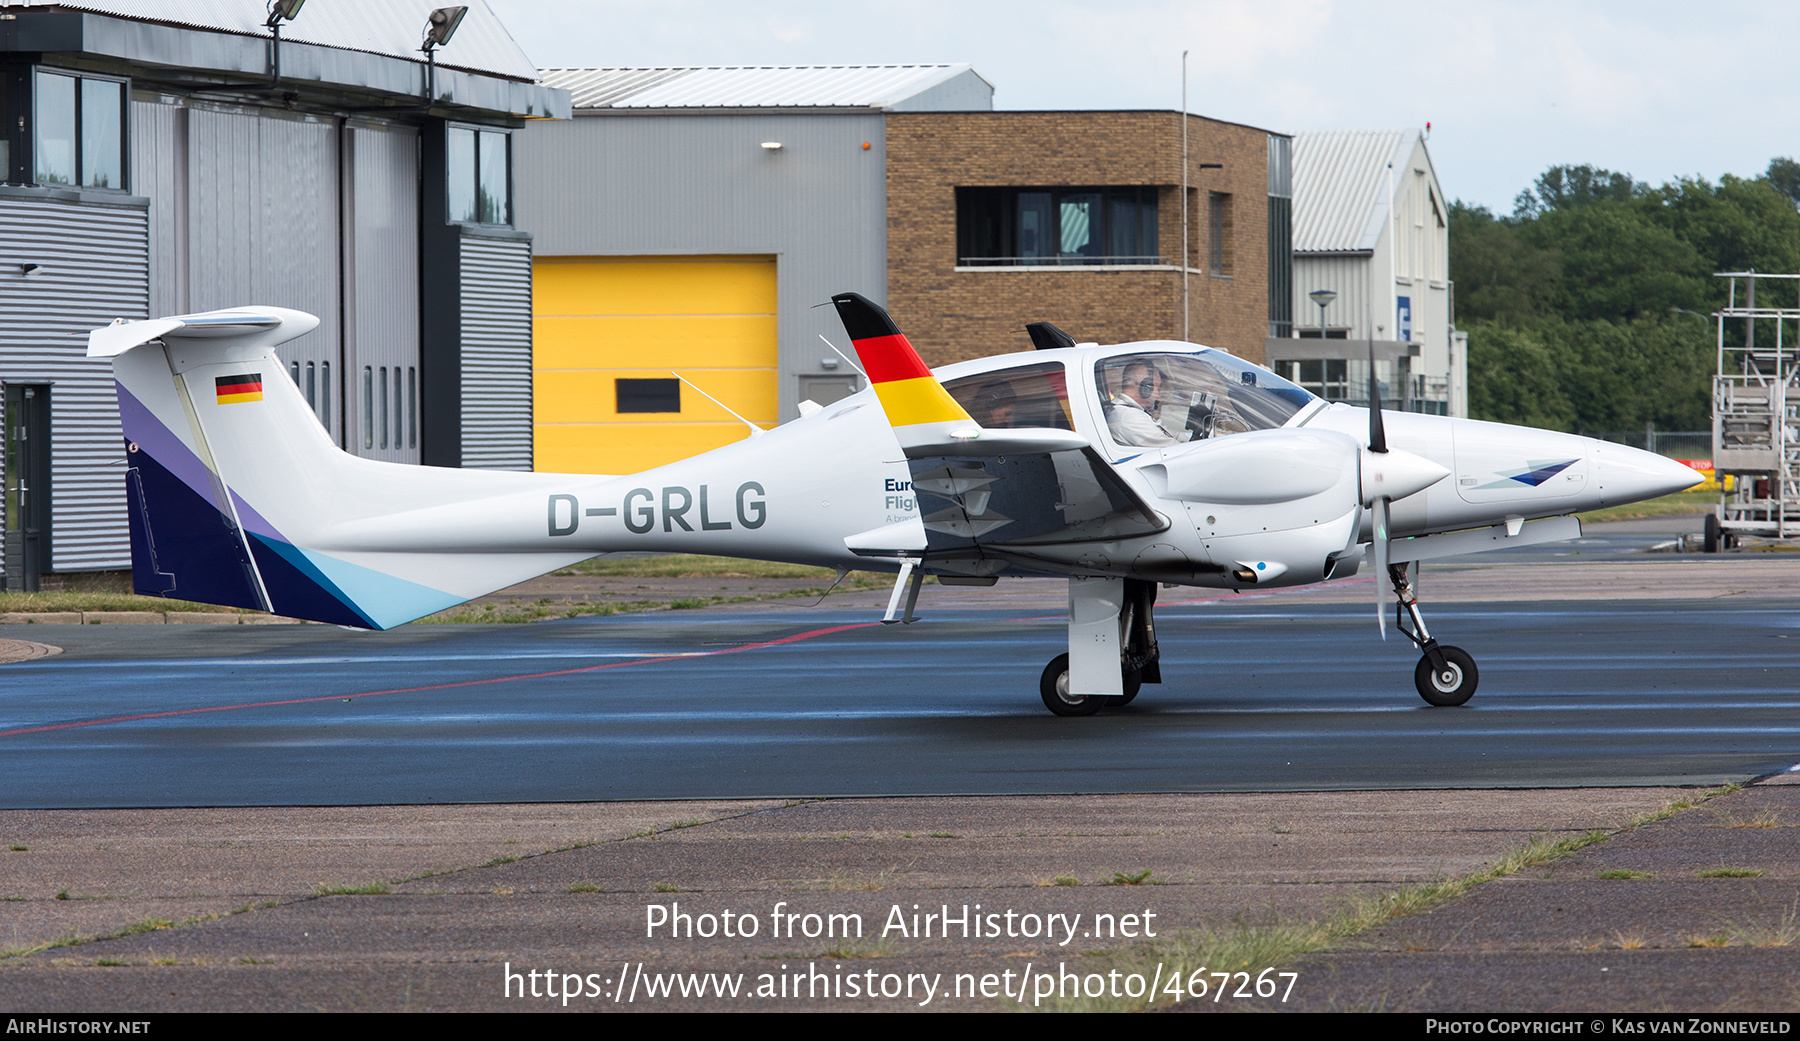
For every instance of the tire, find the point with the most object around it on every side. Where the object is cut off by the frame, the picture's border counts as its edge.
(1709, 539)
(1447, 691)
(1134, 682)
(1054, 686)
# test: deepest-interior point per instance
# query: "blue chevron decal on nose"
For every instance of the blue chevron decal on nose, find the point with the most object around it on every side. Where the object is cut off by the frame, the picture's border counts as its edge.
(1535, 473)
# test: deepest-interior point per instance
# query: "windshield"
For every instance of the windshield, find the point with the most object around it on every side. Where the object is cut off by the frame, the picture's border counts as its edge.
(1155, 398)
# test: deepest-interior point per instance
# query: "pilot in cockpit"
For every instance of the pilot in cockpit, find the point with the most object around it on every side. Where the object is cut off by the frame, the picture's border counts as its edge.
(1130, 412)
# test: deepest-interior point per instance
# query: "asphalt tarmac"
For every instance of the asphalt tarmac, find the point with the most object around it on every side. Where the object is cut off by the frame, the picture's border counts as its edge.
(1287, 692)
(1284, 772)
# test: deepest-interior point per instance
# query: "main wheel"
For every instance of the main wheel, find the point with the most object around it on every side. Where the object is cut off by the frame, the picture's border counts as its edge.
(1454, 685)
(1709, 536)
(1054, 686)
(1134, 682)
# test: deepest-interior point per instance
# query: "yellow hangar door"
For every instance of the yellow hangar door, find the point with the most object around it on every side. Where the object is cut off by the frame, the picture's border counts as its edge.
(607, 333)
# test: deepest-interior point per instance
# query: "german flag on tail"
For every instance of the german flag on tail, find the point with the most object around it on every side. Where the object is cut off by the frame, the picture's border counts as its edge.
(233, 390)
(909, 393)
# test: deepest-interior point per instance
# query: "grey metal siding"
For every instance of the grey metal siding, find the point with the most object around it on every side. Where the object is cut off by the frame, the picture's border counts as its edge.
(93, 270)
(585, 187)
(262, 205)
(381, 226)
(158, 166)
(1348, 277)
(496, 353)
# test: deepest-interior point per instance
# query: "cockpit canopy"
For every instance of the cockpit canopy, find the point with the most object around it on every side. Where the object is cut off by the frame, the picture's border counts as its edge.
(1148, 398)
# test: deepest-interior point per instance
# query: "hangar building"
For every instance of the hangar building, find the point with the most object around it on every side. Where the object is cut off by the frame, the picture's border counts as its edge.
(167, 156)
(689, 220)
(1372, 225)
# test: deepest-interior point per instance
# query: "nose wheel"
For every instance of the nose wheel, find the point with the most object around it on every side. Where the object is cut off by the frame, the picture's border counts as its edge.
(1446, 676)
(1449, 681)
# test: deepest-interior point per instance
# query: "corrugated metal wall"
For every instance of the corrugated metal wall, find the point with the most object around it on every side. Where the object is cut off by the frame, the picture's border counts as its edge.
(381, 339)
(584, 189)
(93, 270)
(1349, 278)
(262, 208)
(496, 353)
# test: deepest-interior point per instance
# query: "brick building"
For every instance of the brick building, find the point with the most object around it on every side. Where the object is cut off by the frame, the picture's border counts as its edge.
(962, 290)
(690, 219)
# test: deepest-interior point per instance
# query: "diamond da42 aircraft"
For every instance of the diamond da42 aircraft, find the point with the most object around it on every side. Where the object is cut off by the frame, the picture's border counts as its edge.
(1120, 468)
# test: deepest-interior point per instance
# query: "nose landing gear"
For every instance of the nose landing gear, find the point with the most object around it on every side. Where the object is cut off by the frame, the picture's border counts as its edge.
(1445, 676)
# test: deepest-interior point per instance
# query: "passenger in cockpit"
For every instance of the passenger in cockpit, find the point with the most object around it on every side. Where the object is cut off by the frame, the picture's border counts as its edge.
(995, 404)
(1129, 411)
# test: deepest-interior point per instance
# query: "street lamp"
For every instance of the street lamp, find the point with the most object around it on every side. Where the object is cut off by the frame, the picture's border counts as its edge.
(1322, 297)
(438, 30)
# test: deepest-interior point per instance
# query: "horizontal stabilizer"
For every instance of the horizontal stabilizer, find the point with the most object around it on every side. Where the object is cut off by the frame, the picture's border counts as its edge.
(907, 536)
(245, 326)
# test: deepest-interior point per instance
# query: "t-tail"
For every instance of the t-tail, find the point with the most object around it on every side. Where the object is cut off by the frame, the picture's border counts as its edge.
(927, 421)
(238, 496)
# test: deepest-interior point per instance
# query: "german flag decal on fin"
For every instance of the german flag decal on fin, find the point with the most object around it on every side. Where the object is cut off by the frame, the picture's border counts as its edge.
(910, 395)
(235, 389)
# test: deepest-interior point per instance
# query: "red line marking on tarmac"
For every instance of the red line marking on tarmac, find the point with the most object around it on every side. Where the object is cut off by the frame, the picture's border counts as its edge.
(796, 638)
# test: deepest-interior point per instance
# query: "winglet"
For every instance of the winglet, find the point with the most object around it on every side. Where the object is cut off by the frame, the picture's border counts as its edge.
(917, 405)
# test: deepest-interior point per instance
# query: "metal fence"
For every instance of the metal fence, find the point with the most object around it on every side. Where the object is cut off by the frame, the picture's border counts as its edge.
(1676, 444)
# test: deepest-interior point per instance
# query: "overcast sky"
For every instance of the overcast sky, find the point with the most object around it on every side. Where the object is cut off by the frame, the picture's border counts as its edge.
(1511, 87)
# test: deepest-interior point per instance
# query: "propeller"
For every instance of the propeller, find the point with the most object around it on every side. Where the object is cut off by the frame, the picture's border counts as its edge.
(1378, 503)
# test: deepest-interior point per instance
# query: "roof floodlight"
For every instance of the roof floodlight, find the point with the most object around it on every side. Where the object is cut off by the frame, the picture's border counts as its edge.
(442, 25)
(283, 11)
(773, 146)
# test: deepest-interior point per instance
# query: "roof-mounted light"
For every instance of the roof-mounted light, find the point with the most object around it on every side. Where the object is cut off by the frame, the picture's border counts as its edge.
(283, 11)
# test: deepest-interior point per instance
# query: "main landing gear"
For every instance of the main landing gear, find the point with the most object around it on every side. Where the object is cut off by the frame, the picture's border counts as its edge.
(1445, 676)
(1112, 647)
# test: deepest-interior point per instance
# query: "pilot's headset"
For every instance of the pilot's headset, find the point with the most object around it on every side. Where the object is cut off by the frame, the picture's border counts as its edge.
(994, 396)
(1146, 384)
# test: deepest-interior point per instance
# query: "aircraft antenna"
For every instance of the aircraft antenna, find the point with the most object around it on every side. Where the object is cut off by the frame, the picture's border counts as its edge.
(755, 431)
(844, 356)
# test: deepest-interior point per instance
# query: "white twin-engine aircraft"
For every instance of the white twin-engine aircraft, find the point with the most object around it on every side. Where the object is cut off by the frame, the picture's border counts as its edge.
(1118, 468)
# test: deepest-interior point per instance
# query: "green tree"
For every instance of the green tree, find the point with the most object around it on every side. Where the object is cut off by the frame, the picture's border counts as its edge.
(1573, 304)
(1571, 187)
(1499, 274)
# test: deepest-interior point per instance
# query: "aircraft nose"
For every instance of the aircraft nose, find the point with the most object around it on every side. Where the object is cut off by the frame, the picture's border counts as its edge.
(1630, 474)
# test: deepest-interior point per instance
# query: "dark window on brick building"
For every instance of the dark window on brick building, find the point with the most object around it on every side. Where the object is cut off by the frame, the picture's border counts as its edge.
(1006, 227)
(1218, 233)
(649, 395)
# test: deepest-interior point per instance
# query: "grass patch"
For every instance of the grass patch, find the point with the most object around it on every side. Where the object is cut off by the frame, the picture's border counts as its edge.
(1623, 873)
(1765, 819)
(366, 889)
(514, 612)
(690, 565)
(585, 887)
(941, 835)
(665, 887)
(34, 603)
(1066, 880)
(1731, 872)
(872, 947)
(1253, 948)
(1120, 878)
(19, 849)
(1782, 933)
(1675, 505)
